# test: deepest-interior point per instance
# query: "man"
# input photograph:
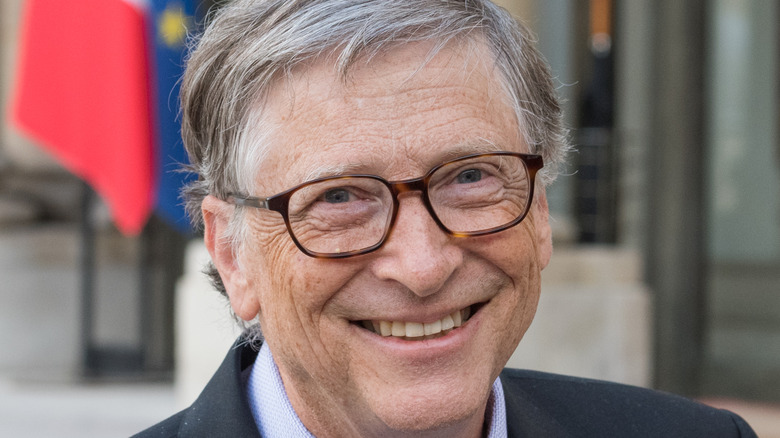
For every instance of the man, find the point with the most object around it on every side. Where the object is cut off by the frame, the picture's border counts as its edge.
(372, 196)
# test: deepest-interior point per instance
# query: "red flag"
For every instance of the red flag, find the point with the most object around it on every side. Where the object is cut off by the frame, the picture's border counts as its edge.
(83, 93)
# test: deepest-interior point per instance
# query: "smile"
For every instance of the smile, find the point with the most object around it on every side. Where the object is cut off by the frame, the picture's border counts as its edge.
(419, 331)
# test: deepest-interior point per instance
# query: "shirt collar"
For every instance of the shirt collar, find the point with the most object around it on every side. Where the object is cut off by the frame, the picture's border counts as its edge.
(275, 416)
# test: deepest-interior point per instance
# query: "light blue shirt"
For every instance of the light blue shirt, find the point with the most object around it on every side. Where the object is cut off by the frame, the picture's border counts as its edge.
(275, 416)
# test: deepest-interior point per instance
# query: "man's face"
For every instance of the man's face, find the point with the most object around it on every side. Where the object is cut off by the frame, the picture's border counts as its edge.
(394, 119)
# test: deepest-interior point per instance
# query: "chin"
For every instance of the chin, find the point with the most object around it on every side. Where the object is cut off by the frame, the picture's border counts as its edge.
(455, 406)
(438, 419)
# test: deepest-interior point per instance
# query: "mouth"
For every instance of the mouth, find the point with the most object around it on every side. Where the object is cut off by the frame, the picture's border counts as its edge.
(420, 331)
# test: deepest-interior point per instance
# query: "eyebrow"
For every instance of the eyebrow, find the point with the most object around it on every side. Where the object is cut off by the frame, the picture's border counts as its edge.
(474, 146)
(477, 146)
(333, 170)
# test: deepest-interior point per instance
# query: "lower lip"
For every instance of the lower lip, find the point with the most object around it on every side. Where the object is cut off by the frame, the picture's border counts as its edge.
(423, 349)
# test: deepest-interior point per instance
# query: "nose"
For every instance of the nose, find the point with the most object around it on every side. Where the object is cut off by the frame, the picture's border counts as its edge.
(418, 254)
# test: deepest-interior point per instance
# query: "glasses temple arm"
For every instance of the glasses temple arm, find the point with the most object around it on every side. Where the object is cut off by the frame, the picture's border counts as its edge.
(248, 201)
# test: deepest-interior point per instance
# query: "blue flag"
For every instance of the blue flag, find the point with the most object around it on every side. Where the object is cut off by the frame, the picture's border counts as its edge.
(170, 22)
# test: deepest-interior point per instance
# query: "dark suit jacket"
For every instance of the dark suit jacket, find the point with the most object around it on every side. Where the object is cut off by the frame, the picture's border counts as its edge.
(537, 405)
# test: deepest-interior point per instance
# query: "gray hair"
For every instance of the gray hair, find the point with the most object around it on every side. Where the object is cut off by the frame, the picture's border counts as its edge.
(250, 44)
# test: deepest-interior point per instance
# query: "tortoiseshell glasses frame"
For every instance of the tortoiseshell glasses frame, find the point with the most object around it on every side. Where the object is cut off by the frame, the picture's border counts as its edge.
(349, 215)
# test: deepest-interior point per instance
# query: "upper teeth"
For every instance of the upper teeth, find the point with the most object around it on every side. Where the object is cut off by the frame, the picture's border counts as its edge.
(403, 329)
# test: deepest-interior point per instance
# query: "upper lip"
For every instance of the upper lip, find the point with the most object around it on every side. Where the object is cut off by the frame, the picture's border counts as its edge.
(420, 315)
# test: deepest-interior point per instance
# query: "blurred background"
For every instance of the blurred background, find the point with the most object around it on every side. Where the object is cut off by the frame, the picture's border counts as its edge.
(666, 221)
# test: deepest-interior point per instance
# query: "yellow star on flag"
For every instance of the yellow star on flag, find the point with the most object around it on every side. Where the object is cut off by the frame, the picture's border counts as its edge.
(172, 25)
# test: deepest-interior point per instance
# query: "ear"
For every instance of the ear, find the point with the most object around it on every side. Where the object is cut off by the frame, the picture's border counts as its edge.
(541, 218)
(216, 218)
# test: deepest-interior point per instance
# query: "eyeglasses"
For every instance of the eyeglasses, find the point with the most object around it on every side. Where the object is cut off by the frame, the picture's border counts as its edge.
(344, 216)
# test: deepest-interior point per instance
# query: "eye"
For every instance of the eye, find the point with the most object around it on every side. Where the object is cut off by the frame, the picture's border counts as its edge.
(469, 176)
(336, 196)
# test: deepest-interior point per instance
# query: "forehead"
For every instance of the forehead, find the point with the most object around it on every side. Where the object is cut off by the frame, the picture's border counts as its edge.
(396, 115)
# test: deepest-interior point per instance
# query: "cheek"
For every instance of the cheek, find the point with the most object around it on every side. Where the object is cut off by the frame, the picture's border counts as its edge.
(268, 251)
(294, 290)
(527, 268)
(514, 252)
(267, 258)
(299, 325)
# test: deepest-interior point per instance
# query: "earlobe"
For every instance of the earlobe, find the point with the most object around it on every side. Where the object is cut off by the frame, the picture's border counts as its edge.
(541, 219)
(216, 219)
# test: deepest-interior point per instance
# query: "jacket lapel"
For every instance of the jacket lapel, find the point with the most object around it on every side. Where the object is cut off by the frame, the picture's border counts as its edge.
(524, 418)
(222, 408)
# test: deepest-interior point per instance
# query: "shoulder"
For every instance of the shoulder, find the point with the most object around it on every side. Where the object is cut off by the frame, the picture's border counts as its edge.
(587, 407)
(168, 428)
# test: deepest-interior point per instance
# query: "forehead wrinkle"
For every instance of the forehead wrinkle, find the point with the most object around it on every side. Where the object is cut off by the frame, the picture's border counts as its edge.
(475, 146)
(399, 146)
